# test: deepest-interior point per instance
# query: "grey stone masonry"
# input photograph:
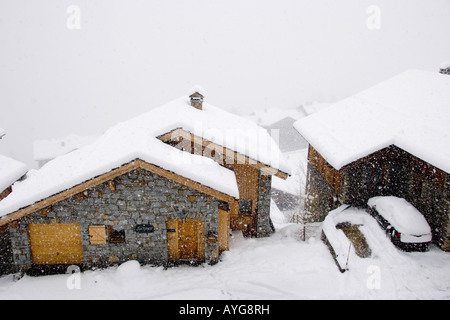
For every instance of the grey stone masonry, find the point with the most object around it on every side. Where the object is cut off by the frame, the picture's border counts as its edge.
(263, 223)
(321, 198)
(138, 197)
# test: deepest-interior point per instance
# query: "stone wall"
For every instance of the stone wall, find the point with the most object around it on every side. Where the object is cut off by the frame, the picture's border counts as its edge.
(6, 256)
(321, 198)
(138, 197)
(263, 222)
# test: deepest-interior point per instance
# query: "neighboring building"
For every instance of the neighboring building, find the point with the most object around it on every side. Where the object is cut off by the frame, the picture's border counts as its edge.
(392, 139)
(279, 123)
(162, 188)
(445, 68)
(10, 171)
(288, 138)
(46, 150)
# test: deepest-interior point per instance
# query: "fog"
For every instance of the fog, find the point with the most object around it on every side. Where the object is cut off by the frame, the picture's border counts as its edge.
(82, 66)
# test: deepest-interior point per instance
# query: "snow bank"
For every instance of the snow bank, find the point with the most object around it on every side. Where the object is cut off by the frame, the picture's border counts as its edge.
(410, 111)
(10, 171)
(403, 216)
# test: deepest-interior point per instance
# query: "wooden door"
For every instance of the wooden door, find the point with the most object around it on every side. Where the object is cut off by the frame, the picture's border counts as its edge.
(56, 243)
(186, 239)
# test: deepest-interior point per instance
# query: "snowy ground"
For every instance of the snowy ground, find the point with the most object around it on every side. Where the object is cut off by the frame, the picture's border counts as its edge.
(279, 267)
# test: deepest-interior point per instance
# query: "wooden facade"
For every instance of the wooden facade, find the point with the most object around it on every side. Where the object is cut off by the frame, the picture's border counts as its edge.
(5, 193)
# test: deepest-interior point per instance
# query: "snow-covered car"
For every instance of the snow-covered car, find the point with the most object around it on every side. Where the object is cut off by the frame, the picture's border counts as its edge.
(404, 224)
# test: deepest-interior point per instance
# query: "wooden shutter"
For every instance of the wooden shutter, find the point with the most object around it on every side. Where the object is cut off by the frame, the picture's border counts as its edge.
(172, 239)
(224, 230)
(97, 235)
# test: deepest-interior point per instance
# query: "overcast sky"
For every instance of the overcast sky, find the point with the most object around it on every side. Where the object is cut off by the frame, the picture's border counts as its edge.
(82, 66)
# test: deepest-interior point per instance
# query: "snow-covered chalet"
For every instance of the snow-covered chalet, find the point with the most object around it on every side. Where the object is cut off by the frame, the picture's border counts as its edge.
(391, 139)
(165, 187)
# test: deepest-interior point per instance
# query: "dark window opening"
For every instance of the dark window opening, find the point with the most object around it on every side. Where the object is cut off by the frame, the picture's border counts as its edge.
(224, 206)
(116, 234)
(245, 206)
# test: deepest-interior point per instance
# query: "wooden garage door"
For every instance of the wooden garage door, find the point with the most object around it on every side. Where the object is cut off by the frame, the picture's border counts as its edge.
(186, 239)
(56, 243)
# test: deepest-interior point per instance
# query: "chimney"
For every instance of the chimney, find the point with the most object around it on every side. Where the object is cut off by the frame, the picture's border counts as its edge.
(445, 68)
(197, 100)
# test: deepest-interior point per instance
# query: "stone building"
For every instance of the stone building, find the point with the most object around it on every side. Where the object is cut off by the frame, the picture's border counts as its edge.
(392, 139)
(138, 193)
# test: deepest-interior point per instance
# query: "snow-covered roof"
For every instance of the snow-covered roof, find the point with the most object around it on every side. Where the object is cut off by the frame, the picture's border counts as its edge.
(52, 148)
(137, 139)
(10, 171)
(445, 65)
(410, 110)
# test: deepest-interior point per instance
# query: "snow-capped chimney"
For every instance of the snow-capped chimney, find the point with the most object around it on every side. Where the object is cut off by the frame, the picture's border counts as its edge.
(445, 68)
(197, 100)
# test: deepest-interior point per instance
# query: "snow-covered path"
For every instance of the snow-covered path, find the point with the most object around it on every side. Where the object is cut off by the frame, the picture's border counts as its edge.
(279, 267)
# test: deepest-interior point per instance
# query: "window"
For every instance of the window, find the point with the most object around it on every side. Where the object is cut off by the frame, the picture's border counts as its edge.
(224, 206)
(245, 206)
(97, 235)
(116, 234)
